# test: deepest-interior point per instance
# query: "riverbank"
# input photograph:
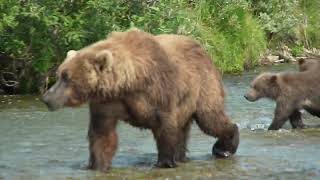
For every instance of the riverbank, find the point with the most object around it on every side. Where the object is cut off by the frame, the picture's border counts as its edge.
(286, 55)
(35, 35)
(10, 82)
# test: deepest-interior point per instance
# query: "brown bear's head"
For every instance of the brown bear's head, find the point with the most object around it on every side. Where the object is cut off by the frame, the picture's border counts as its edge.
(263, 86)
(81, 77)
(308, 64)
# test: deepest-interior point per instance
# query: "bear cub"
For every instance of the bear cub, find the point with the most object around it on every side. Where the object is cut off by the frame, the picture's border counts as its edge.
(292, 92)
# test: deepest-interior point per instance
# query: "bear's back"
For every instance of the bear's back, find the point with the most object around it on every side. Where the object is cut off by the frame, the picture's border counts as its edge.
(186, 50)
(194, 64)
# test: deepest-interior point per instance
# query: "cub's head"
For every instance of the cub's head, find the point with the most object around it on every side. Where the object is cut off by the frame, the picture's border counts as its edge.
(78, 78)
(263, 86)
(308, 64)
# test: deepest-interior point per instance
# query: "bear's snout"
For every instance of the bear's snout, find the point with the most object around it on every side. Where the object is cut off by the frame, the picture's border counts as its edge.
(251, 96)
(52, 99)
(46, 100)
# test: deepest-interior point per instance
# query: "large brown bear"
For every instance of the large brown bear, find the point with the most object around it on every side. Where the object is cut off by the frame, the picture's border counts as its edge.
(312, 66)
(292, 92)
(159, 82)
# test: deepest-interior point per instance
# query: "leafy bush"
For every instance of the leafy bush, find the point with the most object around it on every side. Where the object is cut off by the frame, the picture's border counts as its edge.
(226, 28)
(292, 22)
(38, 33)
(297, 50)
(43, 30)
(311, 23)
(233, 36)
(277, 17)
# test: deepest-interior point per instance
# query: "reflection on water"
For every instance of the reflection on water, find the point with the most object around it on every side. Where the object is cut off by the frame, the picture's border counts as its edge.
(36, 144)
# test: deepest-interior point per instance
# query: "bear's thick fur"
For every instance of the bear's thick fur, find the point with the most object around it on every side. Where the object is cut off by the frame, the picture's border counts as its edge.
(309, 64)
(158, 82)
(292, 91)
(312, 66)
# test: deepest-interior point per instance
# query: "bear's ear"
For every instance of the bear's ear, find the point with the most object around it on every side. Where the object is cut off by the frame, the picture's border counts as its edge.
(273, 79)
(104, 60)
(301, 61)
(70, 55)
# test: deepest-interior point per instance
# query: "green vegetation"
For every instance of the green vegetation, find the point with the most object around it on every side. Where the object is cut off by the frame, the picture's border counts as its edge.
(37, 34)
(311, 23)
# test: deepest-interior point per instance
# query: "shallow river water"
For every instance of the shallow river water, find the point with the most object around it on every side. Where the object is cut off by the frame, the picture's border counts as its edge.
(37, 144)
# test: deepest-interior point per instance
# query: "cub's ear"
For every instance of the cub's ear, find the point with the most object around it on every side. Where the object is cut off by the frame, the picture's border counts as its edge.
(104, 60)
(273, 79)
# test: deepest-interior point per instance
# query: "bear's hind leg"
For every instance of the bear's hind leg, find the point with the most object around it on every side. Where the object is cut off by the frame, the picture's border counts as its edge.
(217, 124)
(296, 120)
(182, 143)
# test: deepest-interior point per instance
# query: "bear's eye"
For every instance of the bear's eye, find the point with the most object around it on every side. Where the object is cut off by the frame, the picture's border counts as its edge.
(255, 87)
(64, 76)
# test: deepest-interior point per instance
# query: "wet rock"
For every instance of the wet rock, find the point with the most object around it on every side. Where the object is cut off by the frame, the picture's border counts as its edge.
(2, 92)
(285, 53)
(314, 53)
(281, 55)
(270, 59)
(279, 61)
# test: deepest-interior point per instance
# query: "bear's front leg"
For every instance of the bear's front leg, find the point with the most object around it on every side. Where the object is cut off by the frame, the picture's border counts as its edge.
(102, 149)
(281, 115)
(103, 138)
